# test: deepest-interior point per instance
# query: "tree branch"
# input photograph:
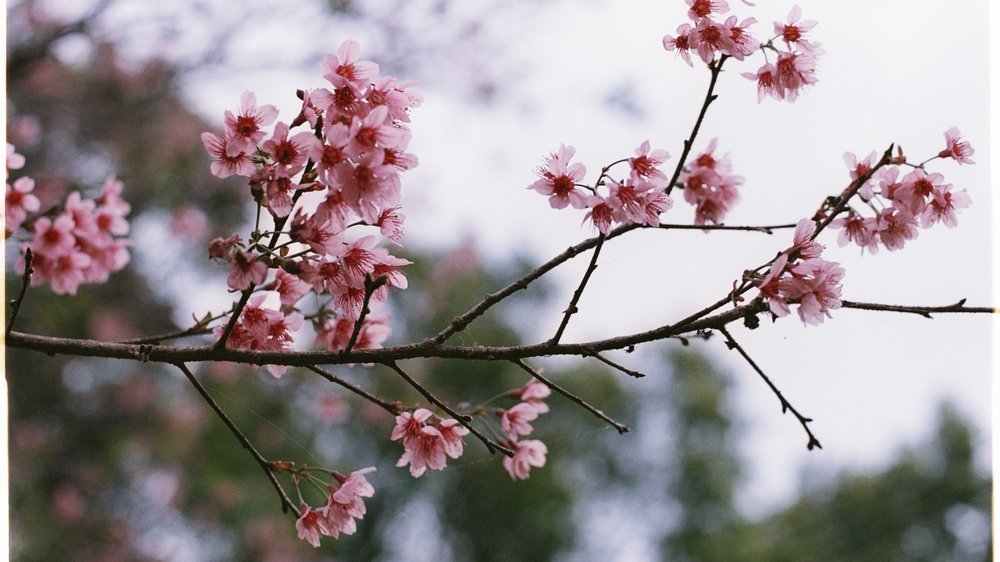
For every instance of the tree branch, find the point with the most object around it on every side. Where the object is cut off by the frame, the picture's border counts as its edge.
(15, 304)
(786, 406)
(710, 96)
(286, 503)
(571, 309)
(924, 311)
(393, 408)
(621, 428)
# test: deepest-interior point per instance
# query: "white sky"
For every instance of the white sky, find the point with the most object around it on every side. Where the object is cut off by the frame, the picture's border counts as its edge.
(894, 71)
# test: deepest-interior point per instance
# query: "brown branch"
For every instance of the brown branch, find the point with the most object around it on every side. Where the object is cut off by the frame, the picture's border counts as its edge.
(196, 330)
(370, 288)
(15, 304)
(716, 69)
(924, 311)
(786, 406)
(849, 192)
(491, 445)
(572, 309)
(286, 503)
(393, 408)
(763, 229)
(621, 428)
(237, 310)
(616, 366)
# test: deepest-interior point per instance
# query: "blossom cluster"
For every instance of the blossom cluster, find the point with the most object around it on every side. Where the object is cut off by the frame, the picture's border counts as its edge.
(347, 163)
(514, 422)
(902, 204)
(83, 243)
(783, 79)
(342, 507)
(798, 275)
(710, 186)
(427, 440)
(638, 198)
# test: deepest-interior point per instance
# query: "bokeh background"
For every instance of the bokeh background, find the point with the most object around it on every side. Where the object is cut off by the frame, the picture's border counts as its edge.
(113, 460)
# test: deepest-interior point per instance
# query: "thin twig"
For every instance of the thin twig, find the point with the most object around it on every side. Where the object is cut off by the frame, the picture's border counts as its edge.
(614, 365)
(491, 445)
(924, 311)
(393, 408)
(156, 340)
(25, 281)
(370, 288)
(855, 186)
(786, 406)
(237, 310)
(572, 309)
(710, 96)
(622, 428)
(286, 503)
(769, 229)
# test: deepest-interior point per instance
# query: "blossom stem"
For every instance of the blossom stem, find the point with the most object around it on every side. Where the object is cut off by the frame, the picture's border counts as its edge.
(710, 96)
(572, 308)
(392, 408)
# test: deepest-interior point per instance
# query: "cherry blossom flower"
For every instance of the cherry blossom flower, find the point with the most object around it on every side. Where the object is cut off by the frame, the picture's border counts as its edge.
(793, 72)
(744, 44)
(957, 149)
(533, 392)
(289, 155)
(767, 82)
(344, 67)
(344, 504)
(803, 246)
(601, 215)
(709, 37)
(645, 164)
(223, 164)
(390, 224)
(896, 225)
(245, 269)
(527, 454)
(793, 31)
(860, 230)
(243, 131)
(515, 421)
(427, 441)
(815, 285)
(943, 206)
(681, 43)
(311, 525)
(705, 8)
(859, 169)
(19, 201)
(15, 161)
(770, 287)
(559, 178)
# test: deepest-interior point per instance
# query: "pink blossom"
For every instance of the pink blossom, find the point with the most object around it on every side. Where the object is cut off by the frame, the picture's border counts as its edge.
(19, 201)
(344, 67)
(64, 272)
(289, 287)
(53, 238)
(916, 189)
(390, 223)
(681, 43)
(368, 185)
(243, 131)
(896, 225)
(15, 161)
(793, 31)
(533, 392)
(344, 504)
(223, 165)
(375, 130)
(943, 205)
(289, 154)
(245, 269)
(770, 286)
(743, 43)
(767, 82)
(855, 228)
(601, 214)
(559, 178)
(319, 233)
(709, 37)
(793, 71)
(426, 445)
(958, 149)
(527, 454)
(311, 525)
(451, 433)
(709, 187)
(803, 246)
(859, 169)
(220, 248)
(645, 164)
(515, 421)
(705, 8)
(815, 285)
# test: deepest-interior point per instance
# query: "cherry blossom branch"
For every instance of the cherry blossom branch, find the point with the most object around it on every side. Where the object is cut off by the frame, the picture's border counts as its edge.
(616, 366)
(924, 311)
(621, 428)
(491, 445)
(237, 310)
(286, 503)
(845, 196)
(370, 288)
(393, 408)
(196, 330)
(710, 97)
(572, 309)
(786, 406)
(15, 304)
(762, 229)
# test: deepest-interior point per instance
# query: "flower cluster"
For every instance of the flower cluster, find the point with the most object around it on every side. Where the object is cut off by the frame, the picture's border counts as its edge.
(799, 275)
(707, 37)
(343, 505)
(514, 422)
(796, 63)
(81, 244)
(427, 440)
(902, 204)
(348, 162)
(709, 186)
(638, 198)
